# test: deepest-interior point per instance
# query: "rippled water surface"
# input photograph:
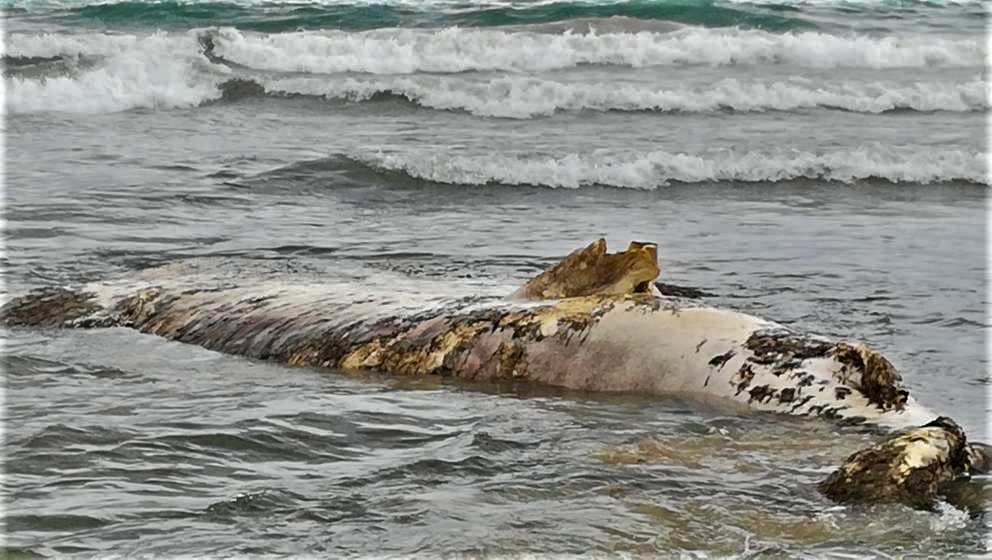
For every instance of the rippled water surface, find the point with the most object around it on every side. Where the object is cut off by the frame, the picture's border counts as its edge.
(821, 164)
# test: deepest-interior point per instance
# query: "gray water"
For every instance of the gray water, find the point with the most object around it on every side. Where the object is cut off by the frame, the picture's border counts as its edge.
(861, 222)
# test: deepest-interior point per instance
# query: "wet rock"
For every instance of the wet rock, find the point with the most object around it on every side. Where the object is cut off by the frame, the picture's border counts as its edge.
(906, 468)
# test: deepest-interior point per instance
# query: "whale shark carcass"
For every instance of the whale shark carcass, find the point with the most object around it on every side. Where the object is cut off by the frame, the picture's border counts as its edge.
(595, 321)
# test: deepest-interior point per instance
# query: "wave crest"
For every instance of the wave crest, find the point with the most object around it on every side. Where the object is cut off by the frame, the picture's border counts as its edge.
(650, 170)
(159, 71)
(179, 70)
(521, 97)
(404, 51)
(149, 79)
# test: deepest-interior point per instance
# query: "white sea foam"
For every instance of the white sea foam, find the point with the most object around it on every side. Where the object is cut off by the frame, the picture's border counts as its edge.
(398, 51)
(92, 43)
(648, 170)
(524, 97)
(165, 70)
(949, 518)
(139, 79)
(161, 71)
(402, 51)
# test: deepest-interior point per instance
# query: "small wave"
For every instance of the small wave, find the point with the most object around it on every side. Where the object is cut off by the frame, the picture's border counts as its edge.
(256, 503)
(522, 97)
(61, 436)
(404, 51)
(657, 168)
(54, 522)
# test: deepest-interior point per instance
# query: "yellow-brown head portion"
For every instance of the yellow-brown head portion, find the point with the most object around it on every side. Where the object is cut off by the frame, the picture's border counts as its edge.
(592, 271)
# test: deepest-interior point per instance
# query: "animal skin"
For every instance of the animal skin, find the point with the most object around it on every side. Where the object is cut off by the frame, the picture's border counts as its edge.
(592, 322)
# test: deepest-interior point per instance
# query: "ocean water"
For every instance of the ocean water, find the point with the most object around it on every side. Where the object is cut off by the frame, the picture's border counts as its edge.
(821, 163)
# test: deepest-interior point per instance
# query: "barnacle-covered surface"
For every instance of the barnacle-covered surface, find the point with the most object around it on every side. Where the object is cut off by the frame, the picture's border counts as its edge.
(907, 468)
(821, 377)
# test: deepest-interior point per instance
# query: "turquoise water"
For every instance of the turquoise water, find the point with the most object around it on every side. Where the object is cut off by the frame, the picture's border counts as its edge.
(819, 163)
(289, 16)
(285, 17)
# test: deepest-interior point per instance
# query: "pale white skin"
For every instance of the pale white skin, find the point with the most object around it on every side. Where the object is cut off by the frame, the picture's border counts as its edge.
(635, 344)
(632, 347)
(640, 345)
(668, 352)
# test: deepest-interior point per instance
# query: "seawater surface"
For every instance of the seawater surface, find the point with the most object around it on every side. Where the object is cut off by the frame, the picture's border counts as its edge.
(819, 163)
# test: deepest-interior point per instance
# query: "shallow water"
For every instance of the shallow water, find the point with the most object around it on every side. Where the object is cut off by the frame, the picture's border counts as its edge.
(823, 166)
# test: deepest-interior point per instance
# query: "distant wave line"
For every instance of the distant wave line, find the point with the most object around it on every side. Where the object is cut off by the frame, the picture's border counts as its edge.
(650, 170)
(453, 50)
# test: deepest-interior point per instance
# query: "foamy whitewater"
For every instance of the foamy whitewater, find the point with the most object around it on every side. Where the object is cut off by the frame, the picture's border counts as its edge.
(530, 72)
(819, 163)
(653, 169)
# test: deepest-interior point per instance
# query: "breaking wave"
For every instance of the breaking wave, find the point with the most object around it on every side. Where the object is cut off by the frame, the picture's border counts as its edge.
(522, 97)
(649, 170)
(403, 51)
(113, 72)
(128, 84)
(160, 71)
(122, 71)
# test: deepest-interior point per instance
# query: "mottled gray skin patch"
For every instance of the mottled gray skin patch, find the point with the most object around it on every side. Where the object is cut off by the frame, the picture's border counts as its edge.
(786, 395)
(742, 379)
(761, 393)
(721, 360)
(862, 370)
